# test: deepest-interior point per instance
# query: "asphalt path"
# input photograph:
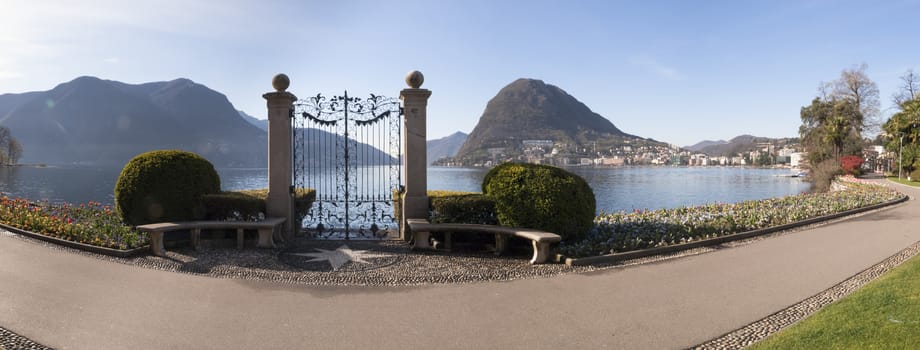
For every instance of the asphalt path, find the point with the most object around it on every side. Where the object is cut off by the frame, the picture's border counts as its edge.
(72, 301)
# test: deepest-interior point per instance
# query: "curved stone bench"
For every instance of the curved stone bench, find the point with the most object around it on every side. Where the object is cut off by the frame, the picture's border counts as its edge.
(266, 229)
(421, 230)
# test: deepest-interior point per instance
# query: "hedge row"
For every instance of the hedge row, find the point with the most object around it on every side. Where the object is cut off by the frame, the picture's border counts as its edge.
(461, 207)
(249, 205)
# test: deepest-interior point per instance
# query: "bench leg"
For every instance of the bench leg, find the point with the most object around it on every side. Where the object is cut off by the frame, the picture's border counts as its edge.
(239, 238)
(446, 245)
(156, 243)
(265, 238)
(420, 240)
(540, 252)
(277, 236)
(501, 244)
(196, 238)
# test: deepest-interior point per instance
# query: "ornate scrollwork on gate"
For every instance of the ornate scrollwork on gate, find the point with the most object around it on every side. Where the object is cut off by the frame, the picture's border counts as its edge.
(348, 149)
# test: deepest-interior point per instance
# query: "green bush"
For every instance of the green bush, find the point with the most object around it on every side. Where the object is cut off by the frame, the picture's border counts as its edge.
(541, 197)
(454, 207)
(233, 206)
(915, 176)
(461, 208)
(162, 186)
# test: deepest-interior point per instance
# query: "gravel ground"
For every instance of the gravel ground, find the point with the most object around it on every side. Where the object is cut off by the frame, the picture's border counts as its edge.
(13, 341)
(387, 263)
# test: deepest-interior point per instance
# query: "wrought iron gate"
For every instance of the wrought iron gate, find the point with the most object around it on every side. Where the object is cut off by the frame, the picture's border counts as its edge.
(348, 149)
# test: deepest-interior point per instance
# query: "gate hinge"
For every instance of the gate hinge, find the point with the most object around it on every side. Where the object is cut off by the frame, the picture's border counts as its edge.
(291, 113)
(291, 190)
(402, 110)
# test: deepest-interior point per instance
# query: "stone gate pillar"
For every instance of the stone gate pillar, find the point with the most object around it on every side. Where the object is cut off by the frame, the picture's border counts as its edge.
(279, 203)
(415, 158)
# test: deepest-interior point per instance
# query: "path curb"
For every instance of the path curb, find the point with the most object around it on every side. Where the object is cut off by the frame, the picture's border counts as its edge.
(76, 245)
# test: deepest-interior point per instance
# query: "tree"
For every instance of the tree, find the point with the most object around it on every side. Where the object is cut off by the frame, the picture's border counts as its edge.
(909, 89)
(5, 136)
(14, 151)
(10, 148)
(903, 132)
(854, 85)
(851, 164)
(764, 159)
(830, 129)
(812, 130)
(910, 158)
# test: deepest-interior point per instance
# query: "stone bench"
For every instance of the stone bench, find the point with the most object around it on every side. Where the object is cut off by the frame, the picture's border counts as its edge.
(266, 229)
(421, 230)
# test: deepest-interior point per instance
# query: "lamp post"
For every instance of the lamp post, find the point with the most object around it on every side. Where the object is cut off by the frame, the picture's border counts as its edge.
(900, 166)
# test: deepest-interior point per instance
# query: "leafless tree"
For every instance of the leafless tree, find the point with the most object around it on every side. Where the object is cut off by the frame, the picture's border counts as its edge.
(5, 137)
(854, 84)
(910, 87)
(13, 151)
(10, 148)
(824, 90)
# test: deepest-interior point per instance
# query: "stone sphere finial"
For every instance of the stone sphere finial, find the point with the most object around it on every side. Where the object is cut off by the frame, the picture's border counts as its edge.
(281, 82)
(415, 79)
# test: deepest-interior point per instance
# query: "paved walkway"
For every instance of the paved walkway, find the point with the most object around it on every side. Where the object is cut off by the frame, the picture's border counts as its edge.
(70, 301)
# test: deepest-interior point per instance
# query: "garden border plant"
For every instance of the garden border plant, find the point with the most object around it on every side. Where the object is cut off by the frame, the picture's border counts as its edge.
(638, 234)
(91, 227)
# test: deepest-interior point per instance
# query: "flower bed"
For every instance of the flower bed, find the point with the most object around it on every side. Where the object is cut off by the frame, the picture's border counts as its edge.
(627, 231)
(91, 223)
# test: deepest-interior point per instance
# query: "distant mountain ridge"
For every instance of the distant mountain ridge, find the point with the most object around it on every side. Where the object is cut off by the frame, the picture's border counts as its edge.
(103, 122)
(703, 144)
(739, 144)
(323, 149)
(529, 109)
(446, 146)
(259, 123)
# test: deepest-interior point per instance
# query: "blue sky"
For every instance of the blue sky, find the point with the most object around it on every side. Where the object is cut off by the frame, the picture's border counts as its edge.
(675, 71)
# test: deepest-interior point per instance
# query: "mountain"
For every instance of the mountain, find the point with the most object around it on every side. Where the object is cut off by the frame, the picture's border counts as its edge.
(739, 144)
(324, 149)
(259, 123)
(10, 101)
(317, 141)
(703, 144)
(445, 146)
(529, 109)
(102, 122)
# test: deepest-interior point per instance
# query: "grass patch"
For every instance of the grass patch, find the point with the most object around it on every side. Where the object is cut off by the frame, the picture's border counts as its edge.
(903, 181)
(884, 314)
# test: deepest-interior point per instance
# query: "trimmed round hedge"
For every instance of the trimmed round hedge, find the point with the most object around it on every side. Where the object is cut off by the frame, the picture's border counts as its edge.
(541, 197)
(162, 186)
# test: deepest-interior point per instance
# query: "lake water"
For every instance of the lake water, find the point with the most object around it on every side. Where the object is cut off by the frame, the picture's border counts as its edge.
(623, 188)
